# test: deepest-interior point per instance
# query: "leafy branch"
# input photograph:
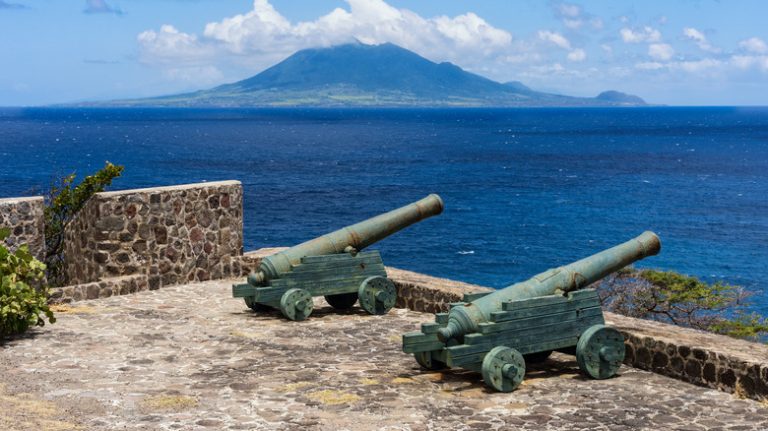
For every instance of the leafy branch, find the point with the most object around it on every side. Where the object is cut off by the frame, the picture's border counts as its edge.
(63, 202)
(668, 296)
(21, 304)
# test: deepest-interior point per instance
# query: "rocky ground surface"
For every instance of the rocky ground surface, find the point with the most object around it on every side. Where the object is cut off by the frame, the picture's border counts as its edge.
(191, 357)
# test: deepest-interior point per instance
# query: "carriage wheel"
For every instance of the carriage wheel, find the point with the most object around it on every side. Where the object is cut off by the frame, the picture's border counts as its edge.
(377, 295)
(600, 351)
(503, 369)
(296, 304)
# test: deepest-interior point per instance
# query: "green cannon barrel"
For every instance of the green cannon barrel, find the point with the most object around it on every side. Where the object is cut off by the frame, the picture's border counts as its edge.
(357, 237)
(466, 318)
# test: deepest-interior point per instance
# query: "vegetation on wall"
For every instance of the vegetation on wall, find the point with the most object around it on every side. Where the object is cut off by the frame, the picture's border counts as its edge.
(21, 303)
(64, 200)
(670, 297)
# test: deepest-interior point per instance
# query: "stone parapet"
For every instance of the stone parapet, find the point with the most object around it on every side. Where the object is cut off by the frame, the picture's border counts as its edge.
(698, 357)
(24, 218)
(420, 292)
(250, 261)
(173, 234)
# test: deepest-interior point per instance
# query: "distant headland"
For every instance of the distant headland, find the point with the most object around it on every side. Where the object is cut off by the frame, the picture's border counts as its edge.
(359, 75)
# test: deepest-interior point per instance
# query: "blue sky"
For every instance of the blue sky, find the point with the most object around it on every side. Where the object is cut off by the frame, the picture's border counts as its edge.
(684, 52)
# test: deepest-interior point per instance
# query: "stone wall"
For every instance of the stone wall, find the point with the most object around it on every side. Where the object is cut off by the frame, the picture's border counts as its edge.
(420, 292)
(173, 235)
(24, 217)
(698, 357)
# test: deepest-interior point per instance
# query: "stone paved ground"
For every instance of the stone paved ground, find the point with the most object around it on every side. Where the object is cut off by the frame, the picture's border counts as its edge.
(191, 357)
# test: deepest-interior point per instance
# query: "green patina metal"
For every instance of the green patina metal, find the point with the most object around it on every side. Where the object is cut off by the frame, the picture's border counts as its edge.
(496, 333)
(333, 266)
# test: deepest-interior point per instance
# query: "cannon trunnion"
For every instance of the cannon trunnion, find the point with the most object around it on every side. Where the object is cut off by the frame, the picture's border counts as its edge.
(496, 333)
(333, 266)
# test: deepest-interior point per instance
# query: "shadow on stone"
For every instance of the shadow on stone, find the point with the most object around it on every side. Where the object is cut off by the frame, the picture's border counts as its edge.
(11, 340)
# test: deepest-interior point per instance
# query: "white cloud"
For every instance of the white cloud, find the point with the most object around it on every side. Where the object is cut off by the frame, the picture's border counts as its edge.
(169, 45)
(263, 36)
(755, 45)
(744, 62)
(660, 51)
(700, 39)
(577, 55)
(574, 17)
(555, 38)
(646, 34)
(569, 10)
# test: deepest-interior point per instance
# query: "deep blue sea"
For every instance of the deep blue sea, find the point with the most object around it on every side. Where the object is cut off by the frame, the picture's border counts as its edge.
(525, 189)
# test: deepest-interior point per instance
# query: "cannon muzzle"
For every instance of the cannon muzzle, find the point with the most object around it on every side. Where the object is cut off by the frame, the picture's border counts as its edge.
(350, 239)
(465, 319)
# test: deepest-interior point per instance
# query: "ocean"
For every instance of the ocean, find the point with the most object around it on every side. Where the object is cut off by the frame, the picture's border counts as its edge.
(525, 189)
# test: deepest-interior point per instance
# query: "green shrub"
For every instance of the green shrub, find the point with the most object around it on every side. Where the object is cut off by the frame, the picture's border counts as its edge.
(683, 300)
(63, 202)
(21, 304)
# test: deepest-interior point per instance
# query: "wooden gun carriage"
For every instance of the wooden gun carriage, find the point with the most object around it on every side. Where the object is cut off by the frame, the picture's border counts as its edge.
(333, 266)
(496, 333)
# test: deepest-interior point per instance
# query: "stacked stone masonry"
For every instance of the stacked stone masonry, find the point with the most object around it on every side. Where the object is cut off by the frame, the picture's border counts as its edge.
(24, 218)
(173, 235)
(701, 358)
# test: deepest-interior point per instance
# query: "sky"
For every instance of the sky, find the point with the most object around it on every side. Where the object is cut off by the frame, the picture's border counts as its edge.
(682, 52)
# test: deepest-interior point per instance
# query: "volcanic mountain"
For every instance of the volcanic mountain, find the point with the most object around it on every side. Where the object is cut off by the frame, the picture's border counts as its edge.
(372, 75)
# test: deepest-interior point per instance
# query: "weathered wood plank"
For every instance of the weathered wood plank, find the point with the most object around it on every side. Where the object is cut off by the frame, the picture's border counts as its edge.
(430, 328)
(476, 359)
(351, 262)
(243, 290)
(328, 286)
(526, 336)
(308, 282)
(419, 342)
(469, 297)
(515, 325)
(342, 271)
(503, 316)
(341, 256)
(548, 300)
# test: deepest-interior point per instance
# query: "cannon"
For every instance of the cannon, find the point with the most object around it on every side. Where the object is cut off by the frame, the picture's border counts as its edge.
(334, 266)
(495, 333)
